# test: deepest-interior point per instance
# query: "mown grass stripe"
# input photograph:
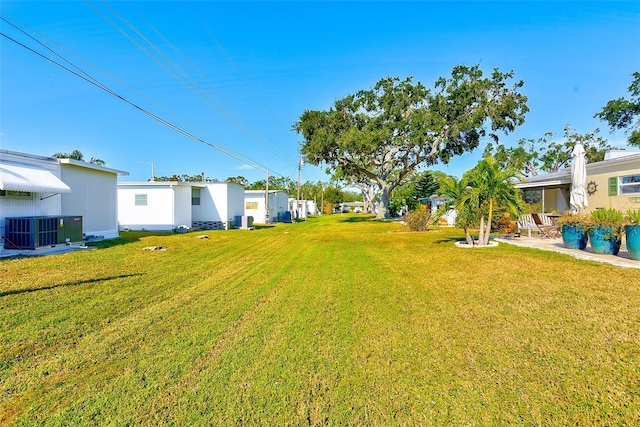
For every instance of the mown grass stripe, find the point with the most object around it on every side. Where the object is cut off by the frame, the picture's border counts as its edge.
(336, 321)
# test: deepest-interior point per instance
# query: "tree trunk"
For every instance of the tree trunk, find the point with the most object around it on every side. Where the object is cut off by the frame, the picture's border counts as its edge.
(383, 206)
(368, 195)
(467, 236)
(488, 230)
(481, 233)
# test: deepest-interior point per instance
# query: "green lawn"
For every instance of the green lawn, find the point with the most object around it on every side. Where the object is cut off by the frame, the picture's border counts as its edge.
(337, 321)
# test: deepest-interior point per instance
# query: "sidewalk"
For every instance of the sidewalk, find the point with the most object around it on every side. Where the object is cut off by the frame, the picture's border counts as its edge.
(556, 245)
(59, 249)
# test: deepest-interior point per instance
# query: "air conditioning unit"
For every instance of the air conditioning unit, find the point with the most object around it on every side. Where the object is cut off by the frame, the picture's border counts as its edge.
(41, 231)
(243, 221)
(286, 216)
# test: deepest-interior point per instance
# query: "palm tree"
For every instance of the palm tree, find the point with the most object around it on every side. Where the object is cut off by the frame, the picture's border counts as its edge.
(466, 216)
(74, 155)
(490, 186)
(77, 155)
(96, 161)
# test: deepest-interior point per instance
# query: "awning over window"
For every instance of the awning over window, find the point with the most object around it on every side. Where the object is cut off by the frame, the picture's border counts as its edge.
(32, 179)
(556, 183)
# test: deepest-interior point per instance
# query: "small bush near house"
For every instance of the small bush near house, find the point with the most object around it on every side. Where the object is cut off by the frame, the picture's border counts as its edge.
(419, 218)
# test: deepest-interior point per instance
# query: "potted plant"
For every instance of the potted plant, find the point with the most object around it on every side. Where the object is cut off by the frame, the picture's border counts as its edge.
(575, 229)
(632, 232)
(605, 231)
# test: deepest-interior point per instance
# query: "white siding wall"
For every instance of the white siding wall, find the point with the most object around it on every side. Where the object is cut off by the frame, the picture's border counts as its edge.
(234, 201)
(93, 195)
(198, 212)
(302, 208)
(218, 195)
(311, 207)
(208, 209)
(157, 215)
(258, 213)
(278, 203)
(224, 201)
(31, 206)
(182, 206)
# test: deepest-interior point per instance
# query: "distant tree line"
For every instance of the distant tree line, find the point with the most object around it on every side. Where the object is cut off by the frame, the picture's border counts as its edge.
(77, 155)
(331, 193)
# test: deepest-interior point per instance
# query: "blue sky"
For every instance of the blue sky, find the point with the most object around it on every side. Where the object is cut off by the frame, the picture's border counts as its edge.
(249, 69)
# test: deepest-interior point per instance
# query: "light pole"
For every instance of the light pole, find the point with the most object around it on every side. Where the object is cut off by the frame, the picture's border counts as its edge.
(266, 200)
(153, 170)
(298, 198)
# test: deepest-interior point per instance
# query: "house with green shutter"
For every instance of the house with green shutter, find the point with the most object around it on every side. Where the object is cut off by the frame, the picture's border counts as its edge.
(611, 183)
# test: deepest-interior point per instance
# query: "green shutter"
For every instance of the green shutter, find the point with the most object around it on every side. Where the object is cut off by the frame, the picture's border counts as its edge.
(613, 186)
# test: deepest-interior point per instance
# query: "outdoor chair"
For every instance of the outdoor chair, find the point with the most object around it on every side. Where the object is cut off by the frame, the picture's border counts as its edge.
(525, 222)
(546, 229)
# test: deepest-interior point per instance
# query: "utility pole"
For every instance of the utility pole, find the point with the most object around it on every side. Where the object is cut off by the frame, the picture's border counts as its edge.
(153, 170)
(322, 202)
(298, 196)
(266, 201)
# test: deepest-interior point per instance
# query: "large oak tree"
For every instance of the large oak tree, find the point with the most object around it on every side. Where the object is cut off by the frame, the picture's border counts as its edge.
(624, 113)
(546, 155)
(384, 133)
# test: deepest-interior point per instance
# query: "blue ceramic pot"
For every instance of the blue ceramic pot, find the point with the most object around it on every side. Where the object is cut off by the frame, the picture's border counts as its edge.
(633, 241)
(574, 237)
(605, 239)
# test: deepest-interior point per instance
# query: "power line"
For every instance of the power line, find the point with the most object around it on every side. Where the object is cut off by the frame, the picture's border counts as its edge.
(239, 71)
(90, 79)
(103, 72)
(274, 149)
(188, 82)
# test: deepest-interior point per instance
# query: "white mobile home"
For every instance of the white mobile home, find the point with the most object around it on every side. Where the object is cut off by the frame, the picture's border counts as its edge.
(254, 201)
(304, 208)
(94, 195)
(311, 207)
(30, 185)
(153, 206)
(165, 206)
(219, 201)
(36, 186)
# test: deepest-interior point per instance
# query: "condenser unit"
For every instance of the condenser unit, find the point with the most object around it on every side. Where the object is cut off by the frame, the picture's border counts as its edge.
(41, 231)
(243, 221)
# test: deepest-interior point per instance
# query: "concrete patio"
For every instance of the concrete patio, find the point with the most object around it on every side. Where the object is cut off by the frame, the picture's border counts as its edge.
(556, 245)
(54, 250)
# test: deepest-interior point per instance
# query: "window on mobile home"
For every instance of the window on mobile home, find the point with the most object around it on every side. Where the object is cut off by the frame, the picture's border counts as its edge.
(141, 200)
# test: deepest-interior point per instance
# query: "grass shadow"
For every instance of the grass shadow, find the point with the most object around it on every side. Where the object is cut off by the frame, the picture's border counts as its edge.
(261, 226)
(76, 283)
(368, 218)
(125, 238)
(449, 240)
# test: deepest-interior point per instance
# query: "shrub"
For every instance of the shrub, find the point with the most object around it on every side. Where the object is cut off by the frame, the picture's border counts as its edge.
(418, 219)
(634, 216)
(580, 220)
(611, 217)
